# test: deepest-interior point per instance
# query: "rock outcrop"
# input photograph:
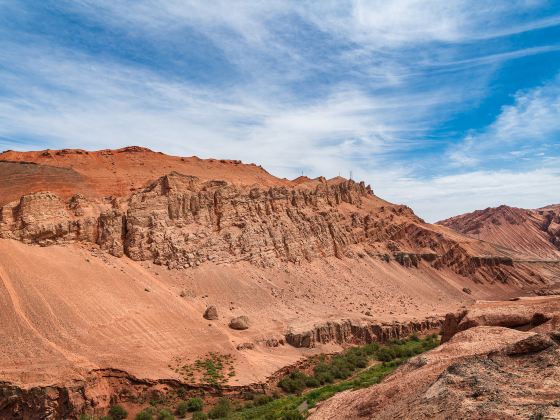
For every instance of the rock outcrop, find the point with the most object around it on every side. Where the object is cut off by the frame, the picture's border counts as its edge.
(521, 314)
(211, 313)
(100, 389)
(484, 372)
(359, 332)
(181, 222)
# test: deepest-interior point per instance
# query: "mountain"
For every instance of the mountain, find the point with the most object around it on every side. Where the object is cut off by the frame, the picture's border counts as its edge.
(109, 261)
(533, 233)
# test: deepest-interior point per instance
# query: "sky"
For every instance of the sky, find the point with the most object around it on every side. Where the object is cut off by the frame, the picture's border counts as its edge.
(444, 105)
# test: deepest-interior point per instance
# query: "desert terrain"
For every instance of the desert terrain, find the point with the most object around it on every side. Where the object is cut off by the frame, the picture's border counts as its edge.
(109, 260)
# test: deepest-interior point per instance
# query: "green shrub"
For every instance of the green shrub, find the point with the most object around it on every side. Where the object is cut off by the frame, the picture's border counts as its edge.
(145, 414)
(263, 399)
(292, 415)
(182, 409)
(165, 414)
(325, 377)
(199, 415)
(371, 348)
(117, 412)
(386, 354)
(312, 382)
(293, 383)
(195, 404)
(222, 409)
(292, 386)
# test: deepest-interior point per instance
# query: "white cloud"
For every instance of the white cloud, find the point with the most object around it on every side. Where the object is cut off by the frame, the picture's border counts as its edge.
(388, 100)
(445, 196)
(533, 121)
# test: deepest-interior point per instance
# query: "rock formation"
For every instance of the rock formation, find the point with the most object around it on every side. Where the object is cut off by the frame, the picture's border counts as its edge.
(181, 222)
(211, 313)
(358, 332)
(239, 323)
(484, 372)
(109, 258)
(521, 314)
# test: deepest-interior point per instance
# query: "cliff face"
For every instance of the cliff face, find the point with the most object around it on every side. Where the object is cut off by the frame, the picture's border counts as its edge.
(355, 332)
(181, 222)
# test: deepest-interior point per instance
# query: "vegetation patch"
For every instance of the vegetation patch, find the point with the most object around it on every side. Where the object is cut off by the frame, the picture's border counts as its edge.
(214, 369)
(357, 367)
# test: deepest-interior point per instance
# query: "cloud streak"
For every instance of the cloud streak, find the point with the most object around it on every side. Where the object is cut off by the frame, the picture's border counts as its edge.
(295, 86)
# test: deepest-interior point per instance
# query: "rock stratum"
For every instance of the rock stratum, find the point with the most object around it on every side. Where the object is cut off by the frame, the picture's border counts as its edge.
(109, 259)
(180, 221)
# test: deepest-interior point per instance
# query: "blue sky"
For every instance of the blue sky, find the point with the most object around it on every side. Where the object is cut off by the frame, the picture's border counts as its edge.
(447, 106)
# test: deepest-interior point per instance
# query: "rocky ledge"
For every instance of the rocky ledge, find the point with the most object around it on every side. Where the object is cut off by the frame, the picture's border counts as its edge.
(358, 332)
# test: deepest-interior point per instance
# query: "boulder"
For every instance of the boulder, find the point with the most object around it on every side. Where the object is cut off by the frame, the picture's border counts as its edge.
(211, 313)
(239, 323)
(532, 344)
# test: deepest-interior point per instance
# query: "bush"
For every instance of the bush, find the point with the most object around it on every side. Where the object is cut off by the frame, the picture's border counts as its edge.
(293, 383)
(325, 377)
(195, 404)
(118, 413)
(371, 348)
(292, 415)
(222, 409)
(263, 399)
(165, 414)
(386, 354)
(292, 386)
(182, 409)
(199, 415)
(145, 414)
(311, 382)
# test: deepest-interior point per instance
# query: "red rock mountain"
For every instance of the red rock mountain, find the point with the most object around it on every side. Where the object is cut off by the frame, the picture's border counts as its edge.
(109, 259)
(533, 233)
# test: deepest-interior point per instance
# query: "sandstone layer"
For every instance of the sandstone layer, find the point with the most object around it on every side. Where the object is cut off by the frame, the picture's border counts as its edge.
(536, 313)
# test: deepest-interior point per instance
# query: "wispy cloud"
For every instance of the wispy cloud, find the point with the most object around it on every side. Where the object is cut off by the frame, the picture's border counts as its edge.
(367, 86)
(445, 196)
(531, 123)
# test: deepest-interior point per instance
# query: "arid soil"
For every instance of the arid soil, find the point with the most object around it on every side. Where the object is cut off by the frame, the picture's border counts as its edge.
(109, 259)
(481, 372)
(532, 233)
